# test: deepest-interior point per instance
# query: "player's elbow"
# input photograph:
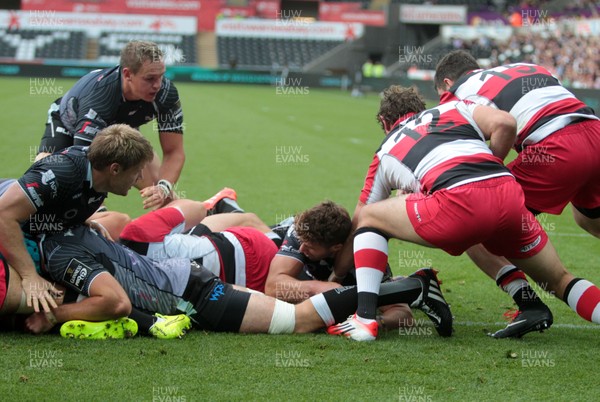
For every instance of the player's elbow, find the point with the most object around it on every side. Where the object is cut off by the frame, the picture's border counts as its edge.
(505, 123)
(121, 307)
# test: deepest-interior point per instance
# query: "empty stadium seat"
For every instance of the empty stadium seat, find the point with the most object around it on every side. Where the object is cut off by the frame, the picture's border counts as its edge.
(266, 53)
(178, 49)
(30, 44)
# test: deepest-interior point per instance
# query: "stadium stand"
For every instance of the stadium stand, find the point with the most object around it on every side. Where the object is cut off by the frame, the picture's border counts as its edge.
(178, 49)
(264, 53)
(27, 44)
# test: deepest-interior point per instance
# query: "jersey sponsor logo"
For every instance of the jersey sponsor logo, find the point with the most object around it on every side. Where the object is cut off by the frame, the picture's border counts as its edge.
(48, 176)
(91, 114)
(218, 291)
(49, 179)
(76, 273)
(35, 197)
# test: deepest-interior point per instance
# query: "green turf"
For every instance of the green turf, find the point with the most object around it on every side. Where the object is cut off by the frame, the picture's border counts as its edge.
(242, 137)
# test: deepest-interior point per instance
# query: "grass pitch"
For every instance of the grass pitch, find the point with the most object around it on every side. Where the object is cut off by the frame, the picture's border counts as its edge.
(284, 153)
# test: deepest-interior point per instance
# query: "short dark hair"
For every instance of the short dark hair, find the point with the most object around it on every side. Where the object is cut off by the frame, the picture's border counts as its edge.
(453, 66)
(120, 144)
(398, 101)
(326, 224)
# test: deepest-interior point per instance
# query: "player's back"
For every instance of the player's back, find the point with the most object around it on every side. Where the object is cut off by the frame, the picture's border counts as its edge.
(535, 98)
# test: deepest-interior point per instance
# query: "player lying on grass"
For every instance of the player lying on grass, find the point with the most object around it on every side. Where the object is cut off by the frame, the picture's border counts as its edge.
(240, 247)
(304, 264)
(456, 194)
(114, 278)
(237, 247)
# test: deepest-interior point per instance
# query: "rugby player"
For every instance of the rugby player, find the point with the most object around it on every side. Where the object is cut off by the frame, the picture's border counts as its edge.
(114, 278)
(558, 143)
(450, 181)
(65, 190)
(134, 93)
(304, 265)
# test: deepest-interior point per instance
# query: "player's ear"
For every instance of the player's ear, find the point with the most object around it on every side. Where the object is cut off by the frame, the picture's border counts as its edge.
(448, 83)
(114, 168)
(337, 247)
(126, 73)
(383, 123)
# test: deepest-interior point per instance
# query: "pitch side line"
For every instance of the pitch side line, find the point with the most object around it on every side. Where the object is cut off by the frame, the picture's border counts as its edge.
(570, 234)
(490, 324)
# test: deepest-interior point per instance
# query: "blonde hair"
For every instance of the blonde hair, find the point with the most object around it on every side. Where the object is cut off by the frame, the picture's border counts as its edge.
(120, 144)
(137, 52)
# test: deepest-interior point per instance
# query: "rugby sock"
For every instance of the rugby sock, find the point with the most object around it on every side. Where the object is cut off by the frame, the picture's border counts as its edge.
(144, 321)
(513, 281)
(336, 305)
(584, 298)
(227, 205)
(370, 260)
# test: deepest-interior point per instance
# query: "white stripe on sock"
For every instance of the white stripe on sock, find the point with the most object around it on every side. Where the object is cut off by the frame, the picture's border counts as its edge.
(370, 240)
(368, 280)
(576, 291)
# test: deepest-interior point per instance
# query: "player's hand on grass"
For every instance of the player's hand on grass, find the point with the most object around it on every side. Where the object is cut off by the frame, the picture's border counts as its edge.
(39, 323)
(39, 292)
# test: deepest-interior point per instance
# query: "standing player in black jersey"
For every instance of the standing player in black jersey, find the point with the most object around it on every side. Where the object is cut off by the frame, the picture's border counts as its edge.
(64, 190)
(135, 92)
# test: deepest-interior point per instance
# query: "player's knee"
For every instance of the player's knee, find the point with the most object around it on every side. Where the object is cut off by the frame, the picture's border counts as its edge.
(592, 226)
(283, 320)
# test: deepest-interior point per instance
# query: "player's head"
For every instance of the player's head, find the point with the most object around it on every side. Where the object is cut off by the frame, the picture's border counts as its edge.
(119, 153)
(322, 229)
(397, 102)
(142, 66)
(451, 67)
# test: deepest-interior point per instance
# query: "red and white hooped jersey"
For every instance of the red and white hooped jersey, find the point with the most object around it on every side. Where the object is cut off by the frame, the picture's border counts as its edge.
(435, 149)
(535, 98)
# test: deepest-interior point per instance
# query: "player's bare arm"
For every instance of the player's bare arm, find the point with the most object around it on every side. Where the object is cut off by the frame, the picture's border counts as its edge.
(282, 282)
(107, 300)
(16, 208)
(498, 126)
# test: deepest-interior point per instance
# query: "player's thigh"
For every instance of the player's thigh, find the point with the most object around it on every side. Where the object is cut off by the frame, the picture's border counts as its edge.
(390, 216)
(258, 315)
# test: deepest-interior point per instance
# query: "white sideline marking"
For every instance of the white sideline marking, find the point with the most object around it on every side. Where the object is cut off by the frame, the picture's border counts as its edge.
(503, 324)
(570, 234)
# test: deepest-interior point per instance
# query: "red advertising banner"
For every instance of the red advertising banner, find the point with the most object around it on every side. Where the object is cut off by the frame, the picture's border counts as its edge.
(161, 7)
(94, 24)
(433, 14)
(367, 17)
(206, 11)
(289, 29)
